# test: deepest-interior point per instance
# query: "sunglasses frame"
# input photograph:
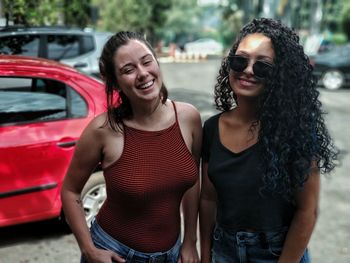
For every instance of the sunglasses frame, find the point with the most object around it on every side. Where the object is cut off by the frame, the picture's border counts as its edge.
(268, 66)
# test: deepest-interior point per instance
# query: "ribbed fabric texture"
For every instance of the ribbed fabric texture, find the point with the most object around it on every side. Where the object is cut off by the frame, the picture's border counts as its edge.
(145, 187)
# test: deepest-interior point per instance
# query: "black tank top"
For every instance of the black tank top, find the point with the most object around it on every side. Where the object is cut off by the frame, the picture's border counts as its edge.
(237, 178)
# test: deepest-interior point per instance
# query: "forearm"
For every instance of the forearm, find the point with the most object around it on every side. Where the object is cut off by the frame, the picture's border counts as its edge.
(207, 215)
(298, 236)
(75, 217)
(190, 204)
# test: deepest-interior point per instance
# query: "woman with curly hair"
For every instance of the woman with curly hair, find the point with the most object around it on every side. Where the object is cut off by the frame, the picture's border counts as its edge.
(263, 154)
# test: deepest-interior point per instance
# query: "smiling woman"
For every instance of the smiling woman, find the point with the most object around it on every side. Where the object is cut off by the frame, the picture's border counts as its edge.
(262, 155)
(138, 73)
(148, 147)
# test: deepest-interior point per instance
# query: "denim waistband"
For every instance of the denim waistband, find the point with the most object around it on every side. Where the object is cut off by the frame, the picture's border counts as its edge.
(105, 241)
(253, 237)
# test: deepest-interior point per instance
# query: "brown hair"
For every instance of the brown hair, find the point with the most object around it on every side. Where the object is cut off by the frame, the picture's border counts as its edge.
(117, 111)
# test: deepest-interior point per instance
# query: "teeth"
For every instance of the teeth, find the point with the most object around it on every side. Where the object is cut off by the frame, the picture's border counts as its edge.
(148, 84)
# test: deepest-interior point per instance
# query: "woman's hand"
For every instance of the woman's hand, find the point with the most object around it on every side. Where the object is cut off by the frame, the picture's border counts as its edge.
(103, 256)
(188, 253)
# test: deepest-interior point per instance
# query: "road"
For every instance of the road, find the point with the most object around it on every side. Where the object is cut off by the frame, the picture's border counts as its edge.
(193, 82)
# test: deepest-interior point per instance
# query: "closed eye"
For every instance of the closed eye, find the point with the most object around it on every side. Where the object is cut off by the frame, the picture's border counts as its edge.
(128, 70)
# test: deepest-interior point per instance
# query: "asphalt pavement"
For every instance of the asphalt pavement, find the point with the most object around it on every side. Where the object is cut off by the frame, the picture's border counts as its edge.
(193, 82)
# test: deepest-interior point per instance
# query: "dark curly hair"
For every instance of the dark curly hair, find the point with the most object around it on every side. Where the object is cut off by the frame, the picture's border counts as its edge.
(118, 110)
(293, 135)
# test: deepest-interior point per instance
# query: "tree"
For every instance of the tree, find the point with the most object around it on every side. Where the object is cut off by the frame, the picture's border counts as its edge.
(158, 18)
(183, 22)
(77, 12)
(47, 12)
(117, 15)
(146, 16)
(232, 21)
(15, 11)
(346, 21)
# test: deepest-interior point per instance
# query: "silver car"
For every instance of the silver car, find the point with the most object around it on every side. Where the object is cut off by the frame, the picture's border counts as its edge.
(76, 47)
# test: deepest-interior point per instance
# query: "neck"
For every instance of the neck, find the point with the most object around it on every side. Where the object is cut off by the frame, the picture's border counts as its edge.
(246, 110)
(147, 112)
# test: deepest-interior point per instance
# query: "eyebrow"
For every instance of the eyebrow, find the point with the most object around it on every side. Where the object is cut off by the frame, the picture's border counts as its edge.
(142, 58)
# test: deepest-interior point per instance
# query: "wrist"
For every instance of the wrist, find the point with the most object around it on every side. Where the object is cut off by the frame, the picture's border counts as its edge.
(88, 250)
(190, 240)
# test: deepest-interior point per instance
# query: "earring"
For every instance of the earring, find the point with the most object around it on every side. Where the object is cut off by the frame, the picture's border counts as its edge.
(225, 85)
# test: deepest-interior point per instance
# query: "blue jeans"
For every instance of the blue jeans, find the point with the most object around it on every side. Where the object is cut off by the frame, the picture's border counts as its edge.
(104, 241)
(249, 247)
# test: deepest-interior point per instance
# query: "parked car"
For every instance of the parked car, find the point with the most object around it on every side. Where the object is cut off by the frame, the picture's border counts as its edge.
(75, 47)
(333, 68)
(44, 106)
(317, 43)
(204, 47)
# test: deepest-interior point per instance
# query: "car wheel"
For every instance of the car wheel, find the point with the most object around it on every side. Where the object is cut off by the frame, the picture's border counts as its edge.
(93, 196)
(333, 79)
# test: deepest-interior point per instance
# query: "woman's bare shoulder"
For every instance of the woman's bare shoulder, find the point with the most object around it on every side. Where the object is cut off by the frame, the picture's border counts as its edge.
(188, 116)
(186, 110)
(100, 125)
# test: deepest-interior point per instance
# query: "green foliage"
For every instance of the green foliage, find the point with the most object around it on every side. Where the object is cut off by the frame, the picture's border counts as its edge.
(145, 16)
(183, 21)
(232, 21)
(16, 10)
(117, 15)
(48, 12)
(346, 21)
(77, 12)
(339, 38)
(44, 13)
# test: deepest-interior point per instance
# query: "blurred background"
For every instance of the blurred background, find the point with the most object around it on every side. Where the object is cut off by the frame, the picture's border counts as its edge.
(173, 23)
(190, 37)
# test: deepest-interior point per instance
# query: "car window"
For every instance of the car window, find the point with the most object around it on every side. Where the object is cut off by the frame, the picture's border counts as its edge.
(24, 45)
(87, 44)
(62, 46)
(24, 100)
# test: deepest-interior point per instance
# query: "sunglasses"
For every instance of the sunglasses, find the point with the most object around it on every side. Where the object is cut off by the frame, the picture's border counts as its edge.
(261, 69)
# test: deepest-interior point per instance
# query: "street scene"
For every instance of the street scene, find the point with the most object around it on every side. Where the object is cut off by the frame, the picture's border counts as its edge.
(193, 83)
(53, 57)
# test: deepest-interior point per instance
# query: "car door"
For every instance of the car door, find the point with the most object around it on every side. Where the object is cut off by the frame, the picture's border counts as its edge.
(40, 121)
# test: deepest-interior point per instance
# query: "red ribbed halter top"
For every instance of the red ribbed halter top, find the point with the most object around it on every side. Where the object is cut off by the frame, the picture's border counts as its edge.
(145, 187)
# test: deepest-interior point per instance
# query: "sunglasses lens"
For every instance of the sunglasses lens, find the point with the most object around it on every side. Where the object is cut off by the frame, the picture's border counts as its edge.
(261, 69)
(238, 63)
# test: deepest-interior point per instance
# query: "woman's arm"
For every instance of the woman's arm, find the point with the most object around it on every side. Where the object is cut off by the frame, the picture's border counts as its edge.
(304, 220)
(86, 157)
(190, 200)
(189, 251)
(207, 214)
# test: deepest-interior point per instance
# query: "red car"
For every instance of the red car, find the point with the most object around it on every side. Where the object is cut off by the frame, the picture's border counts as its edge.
(44, 107)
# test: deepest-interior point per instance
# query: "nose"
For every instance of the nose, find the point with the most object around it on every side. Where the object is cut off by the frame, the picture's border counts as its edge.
(141, 73)
(249, 68)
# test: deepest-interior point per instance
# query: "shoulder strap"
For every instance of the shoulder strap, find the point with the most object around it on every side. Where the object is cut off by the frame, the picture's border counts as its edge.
(175, 111)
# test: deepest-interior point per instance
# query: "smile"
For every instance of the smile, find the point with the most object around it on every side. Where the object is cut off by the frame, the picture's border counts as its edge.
(247, 81)
(146, 85)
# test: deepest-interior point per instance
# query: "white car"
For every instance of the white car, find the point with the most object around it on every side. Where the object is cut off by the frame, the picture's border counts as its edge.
(204, 47)
(72, 46)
